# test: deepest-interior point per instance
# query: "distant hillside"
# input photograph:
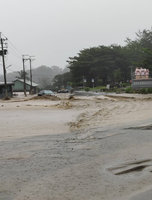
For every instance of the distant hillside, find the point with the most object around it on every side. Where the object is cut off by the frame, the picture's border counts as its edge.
(42, 75)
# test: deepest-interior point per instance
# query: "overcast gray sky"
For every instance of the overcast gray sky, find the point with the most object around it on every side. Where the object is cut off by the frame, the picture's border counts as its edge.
(54, 30)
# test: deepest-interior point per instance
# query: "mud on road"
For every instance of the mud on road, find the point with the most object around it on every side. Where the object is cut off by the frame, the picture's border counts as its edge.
(106, 164)
(79, 149)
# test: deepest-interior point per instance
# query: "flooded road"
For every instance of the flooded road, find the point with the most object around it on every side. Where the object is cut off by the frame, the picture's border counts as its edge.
(110, 163)
(84, 148)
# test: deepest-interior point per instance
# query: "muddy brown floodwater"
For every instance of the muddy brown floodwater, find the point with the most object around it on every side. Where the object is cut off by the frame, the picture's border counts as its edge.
(85, 148)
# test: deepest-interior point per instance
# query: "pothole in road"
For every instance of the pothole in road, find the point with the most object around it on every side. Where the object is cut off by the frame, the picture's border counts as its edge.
(131, 167)
(147, 127)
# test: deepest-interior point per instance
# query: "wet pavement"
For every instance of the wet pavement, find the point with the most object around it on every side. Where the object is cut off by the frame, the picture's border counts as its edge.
(110, 163)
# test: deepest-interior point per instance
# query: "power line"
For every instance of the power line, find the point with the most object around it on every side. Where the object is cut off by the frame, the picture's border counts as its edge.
(15, 50)
(13, 46)
(10, 70)
(14, 54)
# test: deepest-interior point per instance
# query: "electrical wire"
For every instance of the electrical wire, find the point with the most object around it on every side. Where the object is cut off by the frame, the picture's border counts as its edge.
(9, 70)
(11, 43)
(17, 52)
(14, 53)
(13, 50)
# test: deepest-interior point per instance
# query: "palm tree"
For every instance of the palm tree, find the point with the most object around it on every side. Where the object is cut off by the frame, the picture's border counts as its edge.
(21, 75)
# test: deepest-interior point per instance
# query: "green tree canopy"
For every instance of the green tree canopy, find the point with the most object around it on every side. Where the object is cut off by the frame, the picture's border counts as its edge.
(100, 63)
(110, 64)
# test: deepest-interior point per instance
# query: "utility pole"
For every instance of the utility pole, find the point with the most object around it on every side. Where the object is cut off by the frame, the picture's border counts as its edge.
(92, 80)
(131, 67)
(3, 53)
(30, 59)
(23, 59)
(24, 73)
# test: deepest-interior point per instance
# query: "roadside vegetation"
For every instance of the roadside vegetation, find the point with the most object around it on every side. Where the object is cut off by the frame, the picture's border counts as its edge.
(93, 68)
(140, 91)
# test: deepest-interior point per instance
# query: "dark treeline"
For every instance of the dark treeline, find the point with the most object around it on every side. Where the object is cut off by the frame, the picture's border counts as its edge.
(109, 64)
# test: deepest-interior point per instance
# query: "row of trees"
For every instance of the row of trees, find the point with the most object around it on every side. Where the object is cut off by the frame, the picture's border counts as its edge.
(109, 64)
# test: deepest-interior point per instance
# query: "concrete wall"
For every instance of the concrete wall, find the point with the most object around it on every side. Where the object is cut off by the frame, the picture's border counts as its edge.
(2, 91)
(142, 83)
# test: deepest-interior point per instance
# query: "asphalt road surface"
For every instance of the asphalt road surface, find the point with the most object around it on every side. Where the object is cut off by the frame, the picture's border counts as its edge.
(110, 163)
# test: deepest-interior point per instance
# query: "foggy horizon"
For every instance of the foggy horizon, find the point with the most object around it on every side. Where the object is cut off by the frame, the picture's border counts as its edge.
(54, 31)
